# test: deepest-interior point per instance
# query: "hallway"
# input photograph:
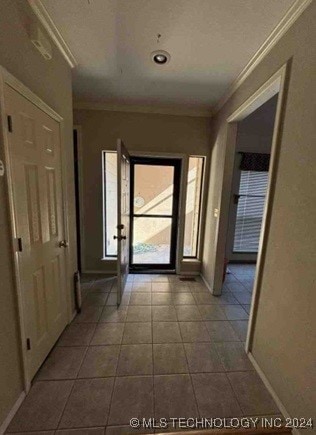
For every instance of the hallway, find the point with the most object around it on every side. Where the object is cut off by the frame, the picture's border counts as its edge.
(171, 350)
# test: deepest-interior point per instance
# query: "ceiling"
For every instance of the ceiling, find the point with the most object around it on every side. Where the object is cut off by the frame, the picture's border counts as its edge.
(210, 42)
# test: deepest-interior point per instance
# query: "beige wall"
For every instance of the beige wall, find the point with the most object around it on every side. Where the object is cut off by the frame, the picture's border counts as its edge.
(254, 133)
(140, 132)
(284, 339)
(50, 80)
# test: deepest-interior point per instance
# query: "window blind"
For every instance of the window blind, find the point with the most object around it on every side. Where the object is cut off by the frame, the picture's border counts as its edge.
(252, 192)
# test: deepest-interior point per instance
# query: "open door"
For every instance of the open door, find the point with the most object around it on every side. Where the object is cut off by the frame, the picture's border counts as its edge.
(123, 216)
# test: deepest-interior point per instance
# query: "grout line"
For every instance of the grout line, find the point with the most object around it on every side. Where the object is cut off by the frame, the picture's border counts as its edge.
(147, 375)
(234, 393)
(115, 375)
(74, 381)
(64, 407)
(153, 363)
(191, 380)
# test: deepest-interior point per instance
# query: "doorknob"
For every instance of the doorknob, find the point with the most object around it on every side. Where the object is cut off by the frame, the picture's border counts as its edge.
(63, 244)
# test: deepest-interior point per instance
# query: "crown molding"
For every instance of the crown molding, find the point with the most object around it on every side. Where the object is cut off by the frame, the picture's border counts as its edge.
(287, 21)
(49, 25)
(120, 107)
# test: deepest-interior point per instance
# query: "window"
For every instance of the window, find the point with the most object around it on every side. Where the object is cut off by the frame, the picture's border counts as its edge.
(109, 202)
(252, 193)
(193, 206)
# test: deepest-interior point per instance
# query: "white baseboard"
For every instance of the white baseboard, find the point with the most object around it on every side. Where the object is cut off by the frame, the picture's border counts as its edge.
(206, 283)
(100, 272)
(208, 286)
(191, 273)
(271, 390)
(73, 315)
(12, 413)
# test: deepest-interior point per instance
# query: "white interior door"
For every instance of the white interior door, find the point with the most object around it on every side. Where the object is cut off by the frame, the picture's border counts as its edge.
(35, 167)
(123, 217)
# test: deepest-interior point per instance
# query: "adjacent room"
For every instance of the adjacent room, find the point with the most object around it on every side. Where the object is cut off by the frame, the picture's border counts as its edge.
(249, 189)
(158, 191)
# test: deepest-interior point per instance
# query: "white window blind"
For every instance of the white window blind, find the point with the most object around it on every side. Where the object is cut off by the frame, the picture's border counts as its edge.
(252, 192)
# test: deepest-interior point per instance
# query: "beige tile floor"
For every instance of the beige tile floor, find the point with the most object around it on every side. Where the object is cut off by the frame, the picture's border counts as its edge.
(171, 350)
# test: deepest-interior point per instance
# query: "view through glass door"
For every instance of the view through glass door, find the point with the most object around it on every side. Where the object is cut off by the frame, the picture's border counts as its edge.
(155, 186)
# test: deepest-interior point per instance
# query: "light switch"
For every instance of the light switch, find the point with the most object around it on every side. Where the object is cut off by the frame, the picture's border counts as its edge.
(216, 212)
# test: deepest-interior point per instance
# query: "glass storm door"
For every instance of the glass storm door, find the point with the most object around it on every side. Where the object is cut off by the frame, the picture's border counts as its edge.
(123, 217)
(155, 185)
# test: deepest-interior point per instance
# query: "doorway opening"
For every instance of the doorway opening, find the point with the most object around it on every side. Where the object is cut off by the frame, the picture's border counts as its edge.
(250, 182)
(163, 199)
(272, 93)
(77, 195)
(154, 210)
(248, 198)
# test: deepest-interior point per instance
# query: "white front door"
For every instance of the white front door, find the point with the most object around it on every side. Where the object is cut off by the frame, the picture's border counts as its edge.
(35, 166)
(123, 217)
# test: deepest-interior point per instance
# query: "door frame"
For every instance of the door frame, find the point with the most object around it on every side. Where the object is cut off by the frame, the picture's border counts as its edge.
(80, 180)
(184, 158)
(7, 78)
(277, 83)
(159, 161)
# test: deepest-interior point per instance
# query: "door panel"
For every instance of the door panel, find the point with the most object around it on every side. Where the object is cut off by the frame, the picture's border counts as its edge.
(52, 202)
(123, 217)
(33, 203)
(35, 164)
(40, 304)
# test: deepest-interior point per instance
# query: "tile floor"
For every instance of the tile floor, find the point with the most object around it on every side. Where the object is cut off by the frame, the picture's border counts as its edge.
(171, 350)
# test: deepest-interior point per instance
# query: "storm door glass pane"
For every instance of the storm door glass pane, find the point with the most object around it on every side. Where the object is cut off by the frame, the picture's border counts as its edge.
(151, 240)
(153, 190)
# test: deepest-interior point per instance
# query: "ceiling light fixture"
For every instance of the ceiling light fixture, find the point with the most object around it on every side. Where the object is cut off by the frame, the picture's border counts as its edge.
(160, 57)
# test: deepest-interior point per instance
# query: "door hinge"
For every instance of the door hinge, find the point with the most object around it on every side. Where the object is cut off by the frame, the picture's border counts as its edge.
(236, 198)
(28, 344)
(20, 244)
(10, 128)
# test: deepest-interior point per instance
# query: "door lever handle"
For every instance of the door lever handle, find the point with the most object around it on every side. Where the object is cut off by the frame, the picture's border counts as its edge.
(63, 244)
(119, 238)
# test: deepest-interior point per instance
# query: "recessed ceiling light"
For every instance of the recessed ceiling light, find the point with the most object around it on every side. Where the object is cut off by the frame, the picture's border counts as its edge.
(160, 57)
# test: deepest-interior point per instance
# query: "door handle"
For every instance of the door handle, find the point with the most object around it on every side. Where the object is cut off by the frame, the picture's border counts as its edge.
(119, 238)
(63, 244)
